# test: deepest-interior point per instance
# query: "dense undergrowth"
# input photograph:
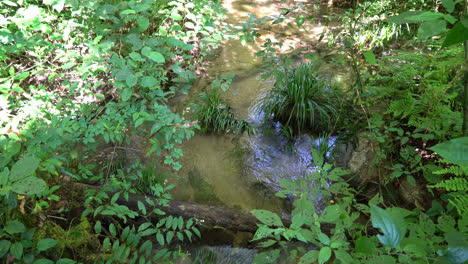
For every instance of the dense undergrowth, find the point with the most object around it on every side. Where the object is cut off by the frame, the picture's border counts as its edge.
(79, 77)
(409, 205)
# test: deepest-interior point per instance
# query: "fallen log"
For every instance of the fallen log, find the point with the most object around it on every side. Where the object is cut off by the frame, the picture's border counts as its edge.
(209, 216)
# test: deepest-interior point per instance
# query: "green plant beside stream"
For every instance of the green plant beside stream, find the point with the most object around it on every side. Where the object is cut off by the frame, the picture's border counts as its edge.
(79, 74)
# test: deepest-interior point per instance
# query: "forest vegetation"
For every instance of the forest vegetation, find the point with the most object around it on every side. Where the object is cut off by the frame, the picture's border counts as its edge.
(80, 80)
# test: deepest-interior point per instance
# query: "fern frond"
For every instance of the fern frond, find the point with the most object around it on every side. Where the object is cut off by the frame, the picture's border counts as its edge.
(460, 201)
(452, 185)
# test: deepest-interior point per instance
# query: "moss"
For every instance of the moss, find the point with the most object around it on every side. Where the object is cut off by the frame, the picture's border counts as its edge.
(77, 243)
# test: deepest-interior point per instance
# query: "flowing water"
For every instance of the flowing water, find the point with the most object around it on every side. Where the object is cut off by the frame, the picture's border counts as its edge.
(244, 172)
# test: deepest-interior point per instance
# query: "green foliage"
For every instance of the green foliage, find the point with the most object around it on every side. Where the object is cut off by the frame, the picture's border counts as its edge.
(350, 241)
(214, 113)
(301, 101)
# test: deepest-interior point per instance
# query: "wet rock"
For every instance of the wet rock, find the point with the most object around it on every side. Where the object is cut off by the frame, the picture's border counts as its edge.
(359, 160)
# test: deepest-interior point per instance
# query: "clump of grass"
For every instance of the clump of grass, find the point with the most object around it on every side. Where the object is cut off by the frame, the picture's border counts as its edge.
(300, 100)
(215, 114)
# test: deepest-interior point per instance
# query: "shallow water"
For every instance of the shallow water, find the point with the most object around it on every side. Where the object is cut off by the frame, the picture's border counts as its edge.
(243, 172)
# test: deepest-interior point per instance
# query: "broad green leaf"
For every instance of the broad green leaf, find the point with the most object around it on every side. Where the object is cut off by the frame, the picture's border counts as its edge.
(4, 247)
(324, 255)
(457, 251)
(97, 227)
(4, 176)
(45, 244)
(126, 94)
(458, 34)
(449, 5)
(343, 256)
(196, 231)
(156, 56)
(365, 246)
(175, 16)
(14, 227)
(106, 244)
(112, 230)
(431, 28)
(148, 82)
(384, 220)
(324, 239)
(23, 168)
(455, 150)
(267, 217)
(5, 36)
(17, 250)
(141, 207)
(160, 239)
(143, 23)
(131, 80)
(403, 18)
(309, 257)
(426, 16)
(136, 57)
(122, 74)
(266, 257)
(464, 21)
(300, 20)
(370, 57)
(169, 236)
(29, 186)
(331, 214)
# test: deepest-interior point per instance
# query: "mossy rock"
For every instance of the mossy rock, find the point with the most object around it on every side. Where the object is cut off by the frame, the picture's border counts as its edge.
(79, 241)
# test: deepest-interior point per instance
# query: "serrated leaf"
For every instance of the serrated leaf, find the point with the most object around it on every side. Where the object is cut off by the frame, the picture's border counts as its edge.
(324, 255)
(142, 207)
(17, 250)
(29, 186)
(46, 243)
(14, 227)
(309, 257)
(331, 214)
(148, 81)
(23, 168)
(267, 217)
(126, 94)
(180, 236)
(4, 247)
(156, 56)
(386, 223)
(131, 80)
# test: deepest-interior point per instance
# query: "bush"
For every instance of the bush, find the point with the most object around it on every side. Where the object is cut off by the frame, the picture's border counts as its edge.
(300, 101)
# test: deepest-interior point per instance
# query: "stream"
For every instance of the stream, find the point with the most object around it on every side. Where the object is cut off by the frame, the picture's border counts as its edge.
(244, 172)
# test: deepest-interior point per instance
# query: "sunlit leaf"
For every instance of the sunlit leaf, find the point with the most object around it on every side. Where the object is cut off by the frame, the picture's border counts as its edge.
(388, 225)
(267, 217)
(455, 150)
